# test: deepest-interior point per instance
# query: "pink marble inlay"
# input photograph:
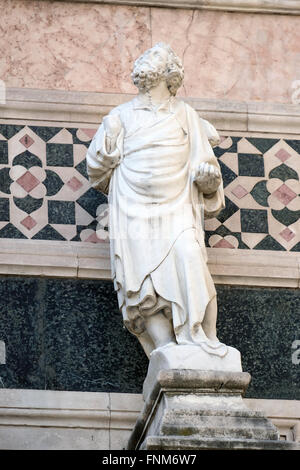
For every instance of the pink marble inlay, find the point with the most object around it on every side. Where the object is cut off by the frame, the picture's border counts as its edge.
(239, 191)
(28, 222)
(287, 234)
(284, 194)
(283, 155)
(89, 132)
(74, 184)
(26, 140)
(93, 238)
(223, 244)
(28, 181)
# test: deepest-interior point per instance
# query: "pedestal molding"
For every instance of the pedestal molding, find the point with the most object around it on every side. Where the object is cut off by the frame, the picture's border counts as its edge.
(196, 409)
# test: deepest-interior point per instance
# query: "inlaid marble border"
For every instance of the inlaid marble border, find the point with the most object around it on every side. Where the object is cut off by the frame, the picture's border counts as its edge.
(46, 195)
(287, 7)
(90, 261)
(80, 108)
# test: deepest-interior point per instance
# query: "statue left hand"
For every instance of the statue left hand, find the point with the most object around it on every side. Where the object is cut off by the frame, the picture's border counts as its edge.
(208, 178)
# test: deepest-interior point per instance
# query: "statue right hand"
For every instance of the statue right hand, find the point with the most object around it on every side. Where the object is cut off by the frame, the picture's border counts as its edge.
(208, 178)
(112, 125)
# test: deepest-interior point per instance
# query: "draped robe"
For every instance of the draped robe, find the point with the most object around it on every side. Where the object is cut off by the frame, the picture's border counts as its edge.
(158, 255)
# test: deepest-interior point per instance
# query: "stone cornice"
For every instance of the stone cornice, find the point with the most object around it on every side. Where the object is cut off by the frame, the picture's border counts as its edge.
(89, 108)
(92, 261)
(287, 7)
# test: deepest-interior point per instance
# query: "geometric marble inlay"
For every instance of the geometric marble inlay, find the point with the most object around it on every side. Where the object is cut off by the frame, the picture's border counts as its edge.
(223, 244)
(287, 234)
(53, 186)
(239, 191)
(93, 238)
(282, 154)
(26, 140)
(28, 181)
(74, 184)
(88, 132)
(28, 222)
(284, 194)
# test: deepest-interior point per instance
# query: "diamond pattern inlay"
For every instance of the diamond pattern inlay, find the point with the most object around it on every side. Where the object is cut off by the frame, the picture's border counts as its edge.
(28, 181)
(287, 234)
(285, 194)
(223, 244)
(45, 193)
(74, 184)
(26, 140)
(283, 155)
(28, 222)
(239, 191)
(93, 238)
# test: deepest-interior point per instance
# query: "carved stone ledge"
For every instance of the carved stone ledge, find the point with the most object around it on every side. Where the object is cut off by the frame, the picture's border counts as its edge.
(92, 261)
(287, 7)
(36, 419)
(89, 108)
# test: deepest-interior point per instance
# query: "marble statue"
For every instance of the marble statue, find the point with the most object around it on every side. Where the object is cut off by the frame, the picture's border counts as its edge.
(153, 156)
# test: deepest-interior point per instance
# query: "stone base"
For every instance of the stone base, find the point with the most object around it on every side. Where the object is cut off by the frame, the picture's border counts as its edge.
(186, 443)
(192, 357)
(198, 410)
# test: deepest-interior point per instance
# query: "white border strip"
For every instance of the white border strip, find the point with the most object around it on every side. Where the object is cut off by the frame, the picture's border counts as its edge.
(92, 261)
(89, 108)
(287, 7)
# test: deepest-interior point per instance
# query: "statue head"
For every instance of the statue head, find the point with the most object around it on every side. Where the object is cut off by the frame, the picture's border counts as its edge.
(156, 64)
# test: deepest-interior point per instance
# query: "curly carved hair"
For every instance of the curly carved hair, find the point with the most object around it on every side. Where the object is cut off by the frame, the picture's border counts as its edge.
(173, 72)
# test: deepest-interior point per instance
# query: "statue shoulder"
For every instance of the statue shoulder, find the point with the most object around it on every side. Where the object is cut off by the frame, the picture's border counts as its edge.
(209, 129)
(211, 132)
(189, 109)
(122, 111)
(192, 114)
(121, 108)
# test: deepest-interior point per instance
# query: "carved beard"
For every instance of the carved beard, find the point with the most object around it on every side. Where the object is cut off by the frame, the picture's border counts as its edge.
(146, 76)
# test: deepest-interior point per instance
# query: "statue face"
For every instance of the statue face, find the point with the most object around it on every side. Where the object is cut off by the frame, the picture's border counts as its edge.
(156, 58)
(150, 68)
(157, 64)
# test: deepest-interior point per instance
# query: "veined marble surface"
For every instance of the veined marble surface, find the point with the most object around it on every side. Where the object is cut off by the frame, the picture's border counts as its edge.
(65, 334)
(91, 47)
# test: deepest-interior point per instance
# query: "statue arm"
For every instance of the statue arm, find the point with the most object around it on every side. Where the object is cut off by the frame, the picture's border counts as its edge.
(204, 163)
(211, 133)
(214, 200)
(103, 155)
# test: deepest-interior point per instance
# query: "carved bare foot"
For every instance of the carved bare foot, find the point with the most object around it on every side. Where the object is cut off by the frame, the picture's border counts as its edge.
(208, 178)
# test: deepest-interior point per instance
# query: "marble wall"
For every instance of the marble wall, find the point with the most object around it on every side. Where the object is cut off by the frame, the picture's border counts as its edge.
(91, 47)
(63, 334)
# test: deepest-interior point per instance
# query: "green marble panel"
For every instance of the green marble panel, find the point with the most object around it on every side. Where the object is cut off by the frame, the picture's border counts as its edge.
(64, 334)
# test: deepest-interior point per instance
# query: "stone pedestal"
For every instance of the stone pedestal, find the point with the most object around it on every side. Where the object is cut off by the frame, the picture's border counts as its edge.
(192, 409)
